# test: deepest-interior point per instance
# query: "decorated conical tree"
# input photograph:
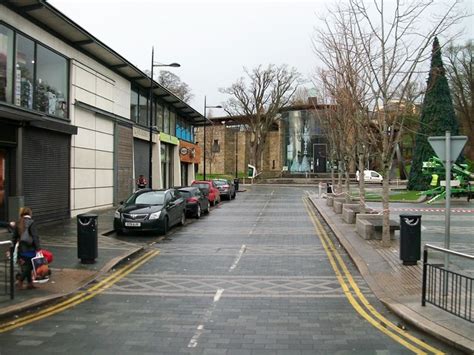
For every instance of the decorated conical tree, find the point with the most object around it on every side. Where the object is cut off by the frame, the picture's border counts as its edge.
(437, 117)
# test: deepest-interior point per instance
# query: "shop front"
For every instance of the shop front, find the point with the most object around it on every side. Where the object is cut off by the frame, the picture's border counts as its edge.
(169, 169)
(189, 156)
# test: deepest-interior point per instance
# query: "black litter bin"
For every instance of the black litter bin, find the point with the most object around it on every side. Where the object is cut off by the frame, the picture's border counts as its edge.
(329, 188)
(410, 238)
(87, 237)
(236, 183)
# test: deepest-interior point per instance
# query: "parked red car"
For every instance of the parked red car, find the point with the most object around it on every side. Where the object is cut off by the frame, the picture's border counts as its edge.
(208, 188)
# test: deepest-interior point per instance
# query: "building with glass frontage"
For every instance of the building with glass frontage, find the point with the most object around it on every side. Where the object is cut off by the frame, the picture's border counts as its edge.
(75, 119)
(296, 144)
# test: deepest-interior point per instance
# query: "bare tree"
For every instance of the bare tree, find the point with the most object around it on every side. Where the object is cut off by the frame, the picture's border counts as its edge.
(390, 41)
(459, 69)
(174, 84)
(259, 101)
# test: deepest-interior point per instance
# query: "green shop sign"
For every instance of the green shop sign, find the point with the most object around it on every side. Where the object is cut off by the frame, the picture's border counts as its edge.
(168, 139)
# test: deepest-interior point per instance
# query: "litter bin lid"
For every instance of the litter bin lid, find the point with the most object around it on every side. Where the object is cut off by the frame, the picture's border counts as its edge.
(410, 216)
(87, 215)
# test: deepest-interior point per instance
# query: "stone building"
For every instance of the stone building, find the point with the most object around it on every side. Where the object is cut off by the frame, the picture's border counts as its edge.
(296, 144)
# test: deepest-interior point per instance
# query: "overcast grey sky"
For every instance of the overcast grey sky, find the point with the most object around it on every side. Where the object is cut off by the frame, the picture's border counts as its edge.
(212, 40)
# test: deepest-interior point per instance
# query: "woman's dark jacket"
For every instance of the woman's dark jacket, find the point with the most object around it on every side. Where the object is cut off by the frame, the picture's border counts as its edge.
(25, 247)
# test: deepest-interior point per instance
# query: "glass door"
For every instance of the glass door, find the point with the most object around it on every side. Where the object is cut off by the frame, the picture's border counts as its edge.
(3, 174)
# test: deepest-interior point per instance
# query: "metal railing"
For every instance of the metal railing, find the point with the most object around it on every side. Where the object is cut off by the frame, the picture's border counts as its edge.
(6, 250)
(447, 289)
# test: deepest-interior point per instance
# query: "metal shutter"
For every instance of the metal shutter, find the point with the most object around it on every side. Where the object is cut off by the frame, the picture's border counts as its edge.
(46, 174)
(141, 153)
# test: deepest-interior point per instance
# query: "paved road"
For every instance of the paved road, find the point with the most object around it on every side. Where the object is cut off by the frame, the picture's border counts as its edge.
(253, 277)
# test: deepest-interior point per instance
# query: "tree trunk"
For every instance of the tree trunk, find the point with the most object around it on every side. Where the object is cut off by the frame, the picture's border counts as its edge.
(348, 185)
(361, 183)
(385, 207)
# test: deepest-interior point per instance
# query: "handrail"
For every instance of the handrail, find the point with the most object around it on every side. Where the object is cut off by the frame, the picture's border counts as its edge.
(10, 244)
(448, 251)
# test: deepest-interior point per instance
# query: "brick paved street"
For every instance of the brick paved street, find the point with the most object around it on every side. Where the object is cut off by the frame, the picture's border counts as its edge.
(250, 278)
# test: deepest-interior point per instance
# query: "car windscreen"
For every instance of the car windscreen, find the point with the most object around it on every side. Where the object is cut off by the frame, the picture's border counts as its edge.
(202, 186)
(147, 198)
(220, 182)
(185, 193)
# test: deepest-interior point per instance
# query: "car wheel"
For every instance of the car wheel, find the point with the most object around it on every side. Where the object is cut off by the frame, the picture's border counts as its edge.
(182, 221)
(164, 230)
(198, 211)
(208, 209)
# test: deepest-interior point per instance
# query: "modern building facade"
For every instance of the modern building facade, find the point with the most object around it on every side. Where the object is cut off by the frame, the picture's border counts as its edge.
(296, 144)
(75, 119)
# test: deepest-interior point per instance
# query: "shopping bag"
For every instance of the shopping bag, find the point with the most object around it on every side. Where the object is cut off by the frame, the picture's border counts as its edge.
(48, 255)
(15, 253)
(40, 268)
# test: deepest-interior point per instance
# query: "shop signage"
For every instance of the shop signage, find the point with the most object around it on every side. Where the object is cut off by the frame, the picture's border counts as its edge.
(168, 139)
(183, 151)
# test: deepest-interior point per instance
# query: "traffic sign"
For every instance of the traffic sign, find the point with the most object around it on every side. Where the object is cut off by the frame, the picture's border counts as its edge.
(438, 143)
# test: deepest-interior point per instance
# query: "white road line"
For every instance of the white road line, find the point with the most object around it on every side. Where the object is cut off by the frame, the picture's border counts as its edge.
(207, 316)
(237, 259)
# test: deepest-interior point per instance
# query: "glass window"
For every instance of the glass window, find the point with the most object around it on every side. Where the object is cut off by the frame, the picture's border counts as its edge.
(134, 105)
(172, 123)
(143, 119)
(6, 64)
(159, 117)
(51, 79)
(25, 67)
(166, 120)
(179, 130)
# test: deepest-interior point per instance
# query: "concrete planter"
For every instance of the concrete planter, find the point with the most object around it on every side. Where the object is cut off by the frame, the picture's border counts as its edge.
(337, 204)
(369, 226)
(329, 200)
(349, 211)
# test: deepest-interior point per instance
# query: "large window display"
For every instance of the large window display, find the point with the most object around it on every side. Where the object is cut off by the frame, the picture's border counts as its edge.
(25, 72)
(159, 116)
(143, 112)
(134, 105)
(51, 82)
(6, 64)
(31, 75)
(306, 147)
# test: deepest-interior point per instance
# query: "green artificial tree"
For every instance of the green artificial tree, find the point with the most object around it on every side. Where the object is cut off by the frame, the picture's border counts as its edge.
(437, 117)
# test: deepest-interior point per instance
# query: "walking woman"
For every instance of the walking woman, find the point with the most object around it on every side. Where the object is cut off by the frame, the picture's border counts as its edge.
(26, 234)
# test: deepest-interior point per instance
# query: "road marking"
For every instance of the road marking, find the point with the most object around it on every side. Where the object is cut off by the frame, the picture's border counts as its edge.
(358, 301)
(81, 296)
(237, 259)
(207, 317)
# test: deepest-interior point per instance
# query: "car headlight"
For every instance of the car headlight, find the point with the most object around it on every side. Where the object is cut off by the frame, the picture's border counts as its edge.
(155, 215)
(117, 214)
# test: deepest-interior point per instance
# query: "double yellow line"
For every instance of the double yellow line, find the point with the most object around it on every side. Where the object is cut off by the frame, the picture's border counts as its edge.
(358, 300)
(81, 296)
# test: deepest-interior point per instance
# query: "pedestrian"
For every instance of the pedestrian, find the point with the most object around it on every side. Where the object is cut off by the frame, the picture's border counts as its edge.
(141, 182)
(26, 234)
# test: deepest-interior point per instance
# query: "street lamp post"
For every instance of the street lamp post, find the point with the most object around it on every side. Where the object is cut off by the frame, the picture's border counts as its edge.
(150, 112)
(205, 124)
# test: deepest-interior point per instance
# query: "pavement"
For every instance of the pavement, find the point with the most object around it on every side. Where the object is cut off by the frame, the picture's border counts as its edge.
(396, 285)
(68, 273)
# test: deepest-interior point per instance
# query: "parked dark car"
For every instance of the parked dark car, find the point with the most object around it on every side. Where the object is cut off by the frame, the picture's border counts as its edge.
(226, 188)
(197, 202)
(150, 210)
(209, 188)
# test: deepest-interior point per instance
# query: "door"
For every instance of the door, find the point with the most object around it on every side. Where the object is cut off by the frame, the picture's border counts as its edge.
(320, 157)
(3, 194)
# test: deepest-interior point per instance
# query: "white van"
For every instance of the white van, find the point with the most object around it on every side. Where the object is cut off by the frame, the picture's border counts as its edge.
(371, 176)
